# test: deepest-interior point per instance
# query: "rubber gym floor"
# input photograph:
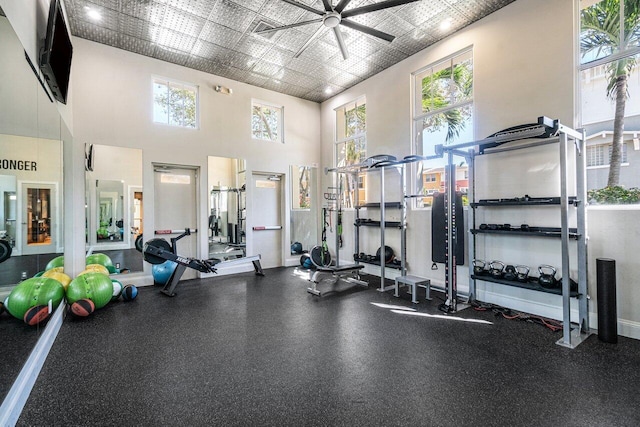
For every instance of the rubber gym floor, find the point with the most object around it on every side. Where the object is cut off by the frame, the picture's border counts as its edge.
(245, 350)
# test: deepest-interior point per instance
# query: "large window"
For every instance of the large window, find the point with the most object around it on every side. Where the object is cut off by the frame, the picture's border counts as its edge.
(610, 89)
(174, 103)
(266, 122)
(442, 114)
(351, 148)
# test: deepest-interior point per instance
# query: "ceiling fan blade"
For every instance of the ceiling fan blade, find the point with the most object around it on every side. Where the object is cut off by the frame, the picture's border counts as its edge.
(311, 39)
(367, 30)
(375, 6)
(305, 7)
(284, 27)
(343, 47)
(327, 6)
(341, 5)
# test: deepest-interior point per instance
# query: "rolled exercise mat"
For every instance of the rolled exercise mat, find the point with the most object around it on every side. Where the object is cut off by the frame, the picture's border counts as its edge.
(606, 294)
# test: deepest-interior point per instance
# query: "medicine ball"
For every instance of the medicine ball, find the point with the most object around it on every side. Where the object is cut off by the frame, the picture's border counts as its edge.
(389, 255)
(296, 248)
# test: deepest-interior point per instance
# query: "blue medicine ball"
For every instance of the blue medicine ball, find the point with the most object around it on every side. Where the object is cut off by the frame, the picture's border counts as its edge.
(129, 292)
(307, 263)
(296, 248)
(162, 272)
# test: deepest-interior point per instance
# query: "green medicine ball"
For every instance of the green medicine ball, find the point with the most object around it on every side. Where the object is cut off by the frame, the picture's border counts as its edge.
(33, 292)
(56, 262)
(94, 286)
(101, 259)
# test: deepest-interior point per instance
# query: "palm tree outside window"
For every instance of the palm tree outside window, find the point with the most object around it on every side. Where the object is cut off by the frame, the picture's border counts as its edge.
(351, 149)
(442, 111)
(610, 41)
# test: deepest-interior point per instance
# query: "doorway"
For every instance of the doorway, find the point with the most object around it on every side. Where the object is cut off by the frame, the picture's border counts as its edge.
(267, 233)
(38, 218)
(175, 207)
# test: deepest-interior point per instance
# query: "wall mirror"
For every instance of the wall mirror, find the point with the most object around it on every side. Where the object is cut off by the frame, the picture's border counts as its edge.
(227, 208)
(304, 208)
(31, 192)
(115, 207)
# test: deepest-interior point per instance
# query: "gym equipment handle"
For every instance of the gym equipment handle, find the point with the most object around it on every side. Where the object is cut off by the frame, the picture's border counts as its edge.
(190, 230)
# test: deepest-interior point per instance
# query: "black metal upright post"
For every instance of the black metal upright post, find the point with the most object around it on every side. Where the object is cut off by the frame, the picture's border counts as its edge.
(606, 292)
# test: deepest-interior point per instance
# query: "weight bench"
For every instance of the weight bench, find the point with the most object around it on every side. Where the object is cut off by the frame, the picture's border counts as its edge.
(348, 273)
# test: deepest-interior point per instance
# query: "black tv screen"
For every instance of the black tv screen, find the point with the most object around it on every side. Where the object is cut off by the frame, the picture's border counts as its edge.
(55, 59)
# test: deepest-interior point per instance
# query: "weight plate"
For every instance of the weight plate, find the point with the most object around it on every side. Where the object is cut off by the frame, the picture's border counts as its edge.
(5, 250)
(139, 243)
(159, 245)
(319, 257)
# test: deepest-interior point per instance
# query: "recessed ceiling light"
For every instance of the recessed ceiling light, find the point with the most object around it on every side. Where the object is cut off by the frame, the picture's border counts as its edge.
(93, 14)
(446, 24)
(328, 91)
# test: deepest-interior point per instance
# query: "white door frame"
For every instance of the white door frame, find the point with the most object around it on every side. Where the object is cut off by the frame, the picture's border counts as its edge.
(283, 216)
(57, 210)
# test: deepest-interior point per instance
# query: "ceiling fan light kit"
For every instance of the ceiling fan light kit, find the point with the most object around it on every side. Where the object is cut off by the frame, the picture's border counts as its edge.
(334, 16)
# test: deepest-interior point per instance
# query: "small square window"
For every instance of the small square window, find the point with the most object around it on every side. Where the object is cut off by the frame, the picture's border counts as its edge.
(266, 122)
(175, 104)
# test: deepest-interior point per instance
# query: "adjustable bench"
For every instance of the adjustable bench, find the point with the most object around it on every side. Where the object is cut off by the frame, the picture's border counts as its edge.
(348, 273)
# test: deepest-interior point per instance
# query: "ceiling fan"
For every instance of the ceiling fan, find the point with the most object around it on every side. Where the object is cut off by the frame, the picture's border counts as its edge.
(333, 16)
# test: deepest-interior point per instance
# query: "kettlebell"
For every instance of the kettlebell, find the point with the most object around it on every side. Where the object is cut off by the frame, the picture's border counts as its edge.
(547, 278)
(478, 267)
(496, 268)
(522, 273)
(510, 273)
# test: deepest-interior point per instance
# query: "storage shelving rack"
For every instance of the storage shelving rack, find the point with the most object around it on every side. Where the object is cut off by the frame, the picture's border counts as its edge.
(547, 131)
(383, 205)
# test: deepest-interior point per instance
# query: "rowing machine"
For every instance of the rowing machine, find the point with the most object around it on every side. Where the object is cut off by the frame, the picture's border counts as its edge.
(158, 251)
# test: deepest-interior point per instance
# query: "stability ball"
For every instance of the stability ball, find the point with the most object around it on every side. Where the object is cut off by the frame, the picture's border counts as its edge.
(33, 292)
(94, 286)
(162, 272)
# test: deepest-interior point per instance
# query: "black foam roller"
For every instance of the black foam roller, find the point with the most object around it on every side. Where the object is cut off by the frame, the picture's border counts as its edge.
(606, 293)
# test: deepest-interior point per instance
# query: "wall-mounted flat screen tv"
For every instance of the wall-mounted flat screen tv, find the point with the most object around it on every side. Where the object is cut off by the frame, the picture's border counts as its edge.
(55, 58)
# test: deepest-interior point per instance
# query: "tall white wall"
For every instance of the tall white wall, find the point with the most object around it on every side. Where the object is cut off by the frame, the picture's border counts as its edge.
(113, 106)
(524, 62)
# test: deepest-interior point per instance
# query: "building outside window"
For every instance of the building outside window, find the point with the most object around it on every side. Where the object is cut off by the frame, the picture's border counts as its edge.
(175, 103)
(609, 40)
(351, 149)
(266, 121)
(442, 113)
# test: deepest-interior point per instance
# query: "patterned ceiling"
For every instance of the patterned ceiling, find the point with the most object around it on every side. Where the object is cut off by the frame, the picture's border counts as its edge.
(217, 37)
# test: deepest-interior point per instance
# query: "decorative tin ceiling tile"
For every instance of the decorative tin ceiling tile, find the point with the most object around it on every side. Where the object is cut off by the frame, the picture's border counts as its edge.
(201, 8)
(172, 39)
(266, 69)
(319, 50)
(238, 60)
(291, 40)
(251, 45)
(171, 55)
(183, 22)
(208, 50)
(395, 26)
(343, 78)
(203, 64)
(385, 58)
(215, 36)
(134, 27)
(220, 35)
(135, 45)
(298, 79)
(151, 11)
(89, 31)
(419, 12)
(281, 12)
(232, 15)
(277, 56)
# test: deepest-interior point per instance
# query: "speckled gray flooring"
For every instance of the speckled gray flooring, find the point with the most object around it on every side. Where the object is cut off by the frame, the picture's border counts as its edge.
(246, 350)
(17, 340)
